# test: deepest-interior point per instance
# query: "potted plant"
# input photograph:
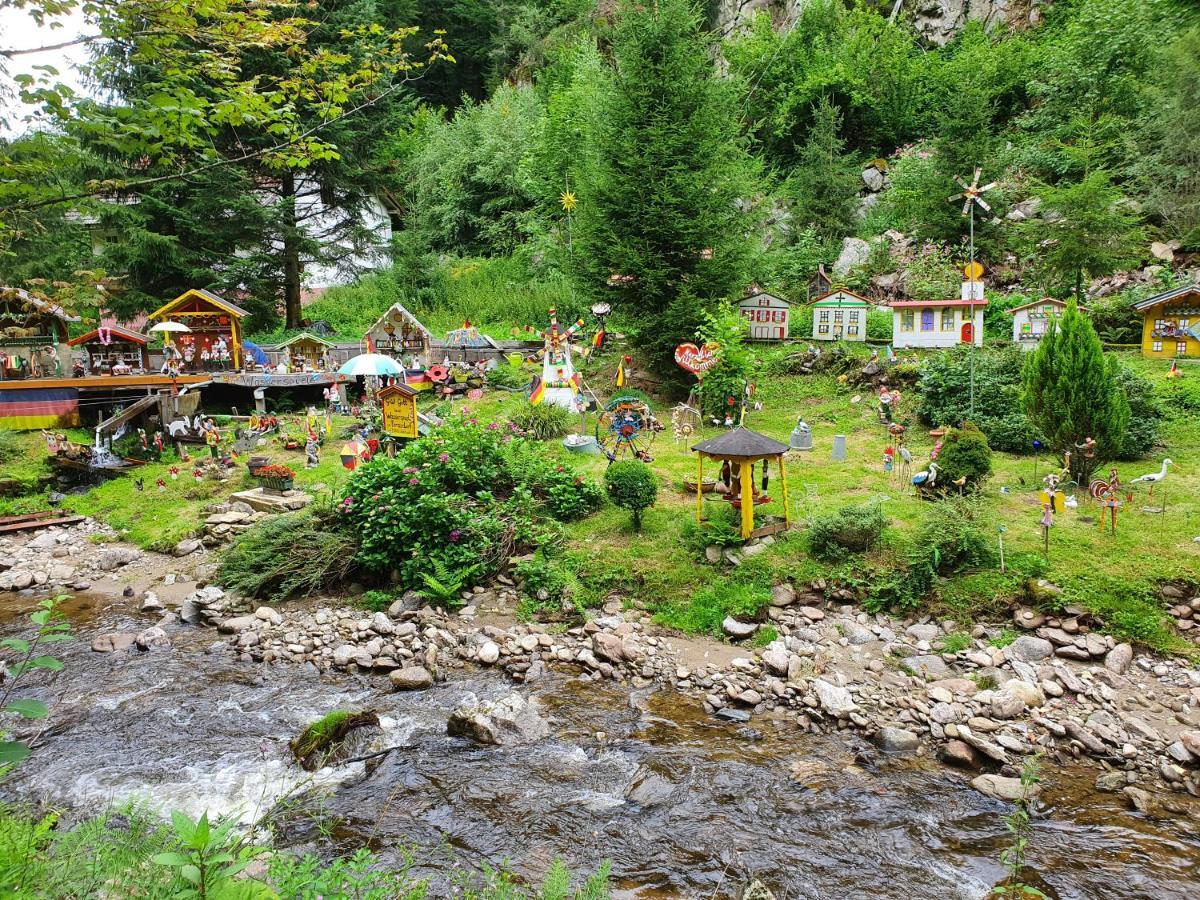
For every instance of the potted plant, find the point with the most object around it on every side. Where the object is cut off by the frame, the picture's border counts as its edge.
(275, 477)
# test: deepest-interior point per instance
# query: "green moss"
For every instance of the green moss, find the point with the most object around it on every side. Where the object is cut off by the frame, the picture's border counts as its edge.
(956, 643)
(764, 636)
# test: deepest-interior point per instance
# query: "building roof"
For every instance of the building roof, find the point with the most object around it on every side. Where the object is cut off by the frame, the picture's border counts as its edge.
(404, 313)
(841, 298)
(396, 388)
(43, 306)
(121, 334)
(469, 338)
(756, 291)
(741, 443)
(169, 307)
(1043, 302)
(1168, 296)
(914, 304)
(302, 336)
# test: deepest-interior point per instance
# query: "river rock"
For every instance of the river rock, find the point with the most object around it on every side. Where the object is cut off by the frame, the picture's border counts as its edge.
(112, 642)
(1030, 649)
(153, 638)
(344, 654)
(834, 700)
(897, 740)
(649, 789)
(857, 634)
(1119, 658)
(873, 179)
(736, 629)
(923, 632)
(509, 720)
(489, 653)
(410, 678)
(151, 603)
(1004, 788)
(1191, 740)
(236, 624)
(187, 546)
(783, 595)
(959, 754)
(776, 659)
(112, 559)
(925, 666)
(1110, 782)
(609, 646)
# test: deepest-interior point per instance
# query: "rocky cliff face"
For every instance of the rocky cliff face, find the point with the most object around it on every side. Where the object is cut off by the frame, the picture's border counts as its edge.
(937, 20)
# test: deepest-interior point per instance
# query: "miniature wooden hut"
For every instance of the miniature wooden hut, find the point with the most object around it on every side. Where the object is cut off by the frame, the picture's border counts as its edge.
(214, 337)
(305, 349)
(113, 350)
(1171, 323)
(400, 335)
(767, 314)
(739, 451)
(33, 335)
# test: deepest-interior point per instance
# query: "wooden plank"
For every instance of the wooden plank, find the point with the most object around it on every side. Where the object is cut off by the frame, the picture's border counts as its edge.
(40, 523)
(27, 517)
(101, 382)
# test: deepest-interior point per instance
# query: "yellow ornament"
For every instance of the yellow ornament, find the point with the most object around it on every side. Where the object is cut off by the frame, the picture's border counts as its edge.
(568, 200)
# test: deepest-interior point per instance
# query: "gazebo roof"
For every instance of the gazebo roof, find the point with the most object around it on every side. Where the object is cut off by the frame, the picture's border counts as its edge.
(302, 336)
(741, 443)
(123, 334)
(198, 294)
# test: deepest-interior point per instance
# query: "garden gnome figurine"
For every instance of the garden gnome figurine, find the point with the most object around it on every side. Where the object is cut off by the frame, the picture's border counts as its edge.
(312, 450)
(801, 438)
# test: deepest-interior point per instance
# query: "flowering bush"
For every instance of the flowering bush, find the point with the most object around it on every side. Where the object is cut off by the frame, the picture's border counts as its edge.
(465, 495)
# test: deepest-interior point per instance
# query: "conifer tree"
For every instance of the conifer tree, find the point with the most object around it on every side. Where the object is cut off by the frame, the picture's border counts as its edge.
(825, 182)
(1070, 393)
(662, 229)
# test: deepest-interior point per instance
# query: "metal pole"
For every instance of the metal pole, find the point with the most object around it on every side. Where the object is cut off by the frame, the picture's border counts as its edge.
(971, 307)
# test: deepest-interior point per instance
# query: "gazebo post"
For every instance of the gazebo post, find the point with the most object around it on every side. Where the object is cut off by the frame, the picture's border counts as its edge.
(787, 507)
(747, 480)
(699, 488)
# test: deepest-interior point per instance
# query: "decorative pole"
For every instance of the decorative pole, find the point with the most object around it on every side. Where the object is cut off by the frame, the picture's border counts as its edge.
(971, 195)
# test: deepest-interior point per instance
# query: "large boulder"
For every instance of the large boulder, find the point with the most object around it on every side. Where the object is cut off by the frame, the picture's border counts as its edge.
(855, 253)
(897, 740)
(1030, 649)
(111, 560)
(834, 699)
(411, 678)
(509, 720)
(111, 643)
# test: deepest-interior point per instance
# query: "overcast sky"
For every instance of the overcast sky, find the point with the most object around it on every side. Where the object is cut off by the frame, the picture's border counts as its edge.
(19, 31)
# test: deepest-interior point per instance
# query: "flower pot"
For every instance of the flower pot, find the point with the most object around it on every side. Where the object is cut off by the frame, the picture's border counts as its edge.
(276, 485)
(255, 463)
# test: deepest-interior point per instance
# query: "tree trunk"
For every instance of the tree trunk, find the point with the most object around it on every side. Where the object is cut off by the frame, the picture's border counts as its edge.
(293, 314)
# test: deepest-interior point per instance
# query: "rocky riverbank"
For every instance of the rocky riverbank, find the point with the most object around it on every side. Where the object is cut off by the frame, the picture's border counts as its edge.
(1059, 689)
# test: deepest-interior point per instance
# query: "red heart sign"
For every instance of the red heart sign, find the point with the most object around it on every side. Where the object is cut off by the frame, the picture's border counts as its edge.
(696, 360)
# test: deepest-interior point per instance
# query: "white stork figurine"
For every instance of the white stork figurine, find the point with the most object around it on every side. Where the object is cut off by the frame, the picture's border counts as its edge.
(927, 478)
(1154, 477)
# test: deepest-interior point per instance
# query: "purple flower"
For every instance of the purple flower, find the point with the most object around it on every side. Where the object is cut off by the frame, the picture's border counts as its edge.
(413, 481)
(455, 535)
(444, 457)
(492, 426)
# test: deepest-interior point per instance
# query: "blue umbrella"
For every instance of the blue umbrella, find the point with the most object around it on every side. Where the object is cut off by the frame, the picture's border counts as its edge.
(255, 353)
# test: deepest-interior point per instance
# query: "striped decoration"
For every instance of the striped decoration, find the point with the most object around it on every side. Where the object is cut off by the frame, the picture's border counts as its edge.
(30, 408)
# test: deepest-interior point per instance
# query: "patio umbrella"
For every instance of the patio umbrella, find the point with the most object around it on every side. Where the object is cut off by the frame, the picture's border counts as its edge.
(370, 364)
(170, 326)
(352, 452)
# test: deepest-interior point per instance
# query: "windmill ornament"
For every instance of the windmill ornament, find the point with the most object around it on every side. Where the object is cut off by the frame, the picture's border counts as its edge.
(972, 196)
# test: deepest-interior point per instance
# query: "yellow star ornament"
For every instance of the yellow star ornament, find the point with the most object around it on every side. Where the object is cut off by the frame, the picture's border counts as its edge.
(568, 201)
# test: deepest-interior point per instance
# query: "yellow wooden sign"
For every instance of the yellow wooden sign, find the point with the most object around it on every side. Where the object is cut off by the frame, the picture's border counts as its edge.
(399, 407)
(973, 271)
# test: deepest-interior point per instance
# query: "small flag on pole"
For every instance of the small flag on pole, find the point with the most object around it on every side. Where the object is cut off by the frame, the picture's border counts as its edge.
(539, 391)
(598, 339)
(621, 375)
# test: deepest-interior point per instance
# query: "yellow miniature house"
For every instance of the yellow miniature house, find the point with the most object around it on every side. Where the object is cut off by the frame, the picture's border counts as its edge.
(1171, 323)
(214, 329)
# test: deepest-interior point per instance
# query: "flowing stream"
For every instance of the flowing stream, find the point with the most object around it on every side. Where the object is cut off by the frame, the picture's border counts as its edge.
(713, 805)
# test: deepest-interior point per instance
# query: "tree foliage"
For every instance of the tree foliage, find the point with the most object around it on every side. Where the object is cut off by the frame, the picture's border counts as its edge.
(1071, 395)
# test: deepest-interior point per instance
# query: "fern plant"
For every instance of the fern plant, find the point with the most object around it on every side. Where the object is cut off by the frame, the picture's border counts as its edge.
(444, 586)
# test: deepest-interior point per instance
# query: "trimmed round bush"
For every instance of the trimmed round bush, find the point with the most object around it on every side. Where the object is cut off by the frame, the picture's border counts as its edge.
(965, 454)
(851, 529)
(632, 486)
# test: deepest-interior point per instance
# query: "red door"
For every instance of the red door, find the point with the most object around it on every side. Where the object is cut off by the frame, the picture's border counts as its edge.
(968, 333)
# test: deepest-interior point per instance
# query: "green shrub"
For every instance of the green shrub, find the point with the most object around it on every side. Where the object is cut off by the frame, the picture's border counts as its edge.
(849, 529)
(632, 486)
(722, 527)
(965, 454)
(953, 536)
(545, 581)
(945, 395)
(566, 493)
(543, 422)
(293, 554)
(376, 601)
(507, 375)
(1145, 414)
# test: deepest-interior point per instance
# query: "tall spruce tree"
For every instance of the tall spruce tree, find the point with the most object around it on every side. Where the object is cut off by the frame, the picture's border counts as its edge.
(825, 182)
(662, 230)
(1070, 393)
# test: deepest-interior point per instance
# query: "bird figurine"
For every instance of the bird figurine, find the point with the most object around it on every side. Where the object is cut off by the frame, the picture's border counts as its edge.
(1153, 478)
(960, 483)
(1070, 502)
(927, 478)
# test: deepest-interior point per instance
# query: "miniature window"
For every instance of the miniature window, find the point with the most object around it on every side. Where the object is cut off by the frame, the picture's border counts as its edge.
(853, 329)
(824, 315)
(1183, 324)
(854, 315)
(1181, 347)
(837, 315)
(1156, 346)
(927, 320)
(823, 329)
(947, 320)
(906, 320)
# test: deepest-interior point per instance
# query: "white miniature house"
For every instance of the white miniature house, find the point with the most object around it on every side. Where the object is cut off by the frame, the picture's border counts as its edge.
(840, 316)
(1032, 320)
(940, 323)
(767, 315)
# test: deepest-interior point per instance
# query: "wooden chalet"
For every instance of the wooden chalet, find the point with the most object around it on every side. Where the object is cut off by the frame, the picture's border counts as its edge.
(215, 330)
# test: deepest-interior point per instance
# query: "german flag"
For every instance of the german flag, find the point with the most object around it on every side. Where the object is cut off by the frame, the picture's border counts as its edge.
(621, 371)
(538, 394)
(598, 339)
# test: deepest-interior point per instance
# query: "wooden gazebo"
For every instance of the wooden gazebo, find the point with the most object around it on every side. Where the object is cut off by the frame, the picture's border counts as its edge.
(739, 451)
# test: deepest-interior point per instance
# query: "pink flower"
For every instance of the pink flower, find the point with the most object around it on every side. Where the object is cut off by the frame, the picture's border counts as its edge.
(413, 481)
(455, 535)
(444, 457)
(492, 426)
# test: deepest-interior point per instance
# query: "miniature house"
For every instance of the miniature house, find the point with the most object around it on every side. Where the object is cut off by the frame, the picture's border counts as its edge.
(1032, 320)
(305, 351)
(113, 350)
(1171, 324)
(767, 315)
(937, 323)
(840, 316)
(33, 336)
(213, 341)
(398, 334)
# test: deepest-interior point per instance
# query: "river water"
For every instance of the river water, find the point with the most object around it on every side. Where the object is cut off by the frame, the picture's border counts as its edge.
(716, 804)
